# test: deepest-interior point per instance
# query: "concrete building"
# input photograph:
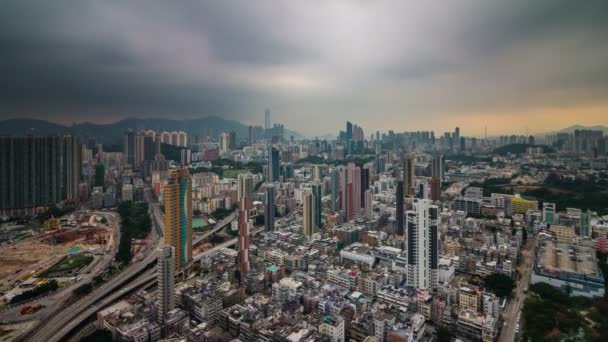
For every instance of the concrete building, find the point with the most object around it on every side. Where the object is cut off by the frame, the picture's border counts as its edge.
(423, 245)
(166, 282)
(178, 216)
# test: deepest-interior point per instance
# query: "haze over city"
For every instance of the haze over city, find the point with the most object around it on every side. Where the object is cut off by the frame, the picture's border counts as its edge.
(511, 66)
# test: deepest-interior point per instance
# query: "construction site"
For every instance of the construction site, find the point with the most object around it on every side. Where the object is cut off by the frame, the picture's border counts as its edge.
(59, 249)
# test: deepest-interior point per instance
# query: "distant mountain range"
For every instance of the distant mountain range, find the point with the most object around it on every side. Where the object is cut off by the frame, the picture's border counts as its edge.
(113, 133)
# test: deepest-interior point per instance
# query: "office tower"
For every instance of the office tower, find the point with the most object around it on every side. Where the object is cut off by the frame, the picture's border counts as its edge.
(273, 165)
(399, 208)
(245, 185)
(232, 140)
(422, 246)
(72, 166)
(349, 130)
(307, 216)
(178, 216)
(250, 140)
(129, 147)
(462, 144)
(456, 136)
(435, 189)
(166, 282)
(335, 190)
(316, 205)
(269, 209)
(438, 167)
(31, 173)
(267, 119)
(409, 172)
(364, 183)
(549, 212)
(243, 240)
(368, 203)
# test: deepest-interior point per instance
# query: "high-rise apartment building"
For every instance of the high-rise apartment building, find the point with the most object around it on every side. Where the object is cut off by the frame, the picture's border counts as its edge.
(224, 140)
(244, 185)
(307, 216)
(409, 174)
(38, 171)
(335, 190)
(178, 216)
(269, 210)
(273, 164)
(399, 208)
(243, 239)
(130, 148)
(364, 183)
(72, 166)
(166, 282)
(422, 246)
(438, 167)
(316, 205)
(368, 203)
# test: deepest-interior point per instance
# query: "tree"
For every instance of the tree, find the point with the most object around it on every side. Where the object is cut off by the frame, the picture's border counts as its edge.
(443, 335)
(500, 284)
(83, 289)
(216, 239)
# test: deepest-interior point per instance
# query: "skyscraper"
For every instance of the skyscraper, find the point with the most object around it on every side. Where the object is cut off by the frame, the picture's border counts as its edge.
(72, 166)
(267, 119)
(364, 183)
(335, 190)
(166, 282)
(399, 208)
(130, 147)
(243, 240)
(273, 164)
(244, 185)
(178, 216)
(31, 172)
(435, 189)
(422, 246)
(316, 205)
(368, 203)
(269, 212)
(409, 172)
(307, 216)
(438, 167)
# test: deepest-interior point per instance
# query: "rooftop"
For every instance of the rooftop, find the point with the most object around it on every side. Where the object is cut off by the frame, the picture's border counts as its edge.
(565, 257)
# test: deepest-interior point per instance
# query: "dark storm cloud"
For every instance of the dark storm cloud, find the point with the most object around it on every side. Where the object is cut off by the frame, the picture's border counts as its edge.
(319, 60)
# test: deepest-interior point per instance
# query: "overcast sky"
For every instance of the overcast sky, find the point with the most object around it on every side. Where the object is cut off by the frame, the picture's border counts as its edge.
(403, 65)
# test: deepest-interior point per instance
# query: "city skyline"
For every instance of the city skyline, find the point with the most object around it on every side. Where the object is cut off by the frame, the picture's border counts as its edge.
(512, 67)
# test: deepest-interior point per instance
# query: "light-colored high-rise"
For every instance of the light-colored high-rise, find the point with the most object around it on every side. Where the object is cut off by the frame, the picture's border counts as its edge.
(178, 216)
(166, 282)
(245, 185)
(422, 246)
(368, 203)
(307, 224)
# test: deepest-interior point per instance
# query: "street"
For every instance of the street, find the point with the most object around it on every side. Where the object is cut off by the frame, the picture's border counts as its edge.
(515, 305)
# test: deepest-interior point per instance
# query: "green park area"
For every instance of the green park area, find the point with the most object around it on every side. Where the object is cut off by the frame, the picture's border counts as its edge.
(234, 173)
(69, 263)
(199, 225)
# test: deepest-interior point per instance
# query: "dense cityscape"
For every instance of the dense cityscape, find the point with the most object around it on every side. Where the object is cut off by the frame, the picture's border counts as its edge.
(303, 171)
(370, 236)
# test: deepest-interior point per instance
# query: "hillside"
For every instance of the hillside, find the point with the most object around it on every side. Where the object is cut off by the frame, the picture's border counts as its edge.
(113, 133)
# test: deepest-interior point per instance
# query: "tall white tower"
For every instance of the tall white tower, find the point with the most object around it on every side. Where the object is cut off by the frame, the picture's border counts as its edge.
(166, 282)
(422, 246)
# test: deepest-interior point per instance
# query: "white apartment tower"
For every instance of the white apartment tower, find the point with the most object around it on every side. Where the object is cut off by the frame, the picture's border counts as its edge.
(166, 282)
(422, 246)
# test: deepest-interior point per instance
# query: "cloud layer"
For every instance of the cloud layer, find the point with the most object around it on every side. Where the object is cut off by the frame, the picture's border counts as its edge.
(400, 65)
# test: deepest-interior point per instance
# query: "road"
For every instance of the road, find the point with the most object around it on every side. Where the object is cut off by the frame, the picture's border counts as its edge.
(146, 279)
(72, 315)
(98, 266)
(217, 228)
(516, 304)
